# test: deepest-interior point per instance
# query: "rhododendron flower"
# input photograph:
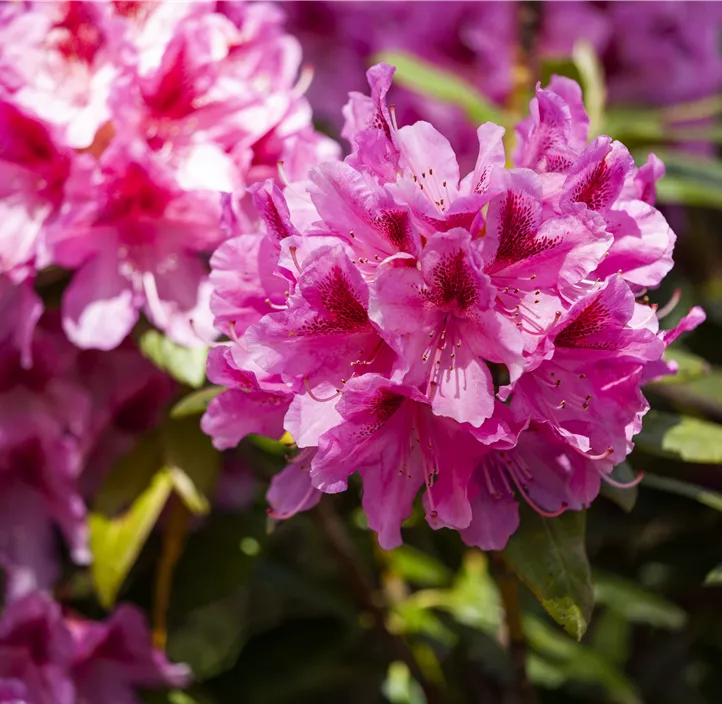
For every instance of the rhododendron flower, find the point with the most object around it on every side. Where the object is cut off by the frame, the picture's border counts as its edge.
(482, 337)
(48, 656)
(133, 234)
(120, 124)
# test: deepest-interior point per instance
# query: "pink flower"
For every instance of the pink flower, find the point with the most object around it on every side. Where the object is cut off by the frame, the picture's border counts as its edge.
(405, 312)
(133, 235)
(47, 657)
(114, 657)
(33, 167)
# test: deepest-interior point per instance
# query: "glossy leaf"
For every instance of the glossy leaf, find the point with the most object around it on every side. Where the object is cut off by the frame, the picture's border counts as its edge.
(116, 541)
(187, 365)
(195, 402)
(681, 437)
(549, 556)
(431, 81)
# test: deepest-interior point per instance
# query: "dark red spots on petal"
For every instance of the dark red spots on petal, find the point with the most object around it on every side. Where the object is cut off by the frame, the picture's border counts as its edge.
(79, 36)
(590, 322)
(453, 284)
(344, 312)
(275, 223)
(381, 408)
(395, 227)
(379, 123)
(597, 189)
(519, 218)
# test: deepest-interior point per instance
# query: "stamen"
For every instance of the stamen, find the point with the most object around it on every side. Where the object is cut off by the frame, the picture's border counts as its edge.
(621, 485)
(600, 456)
(292, 252)
(647, 319)
(304, 81)
(275, 306)
(392, 112)
(533, 504)
(671, 305)
(318, 398)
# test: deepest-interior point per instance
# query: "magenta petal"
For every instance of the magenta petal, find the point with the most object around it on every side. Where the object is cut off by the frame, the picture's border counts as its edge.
(99, 307)
(291, 490)
(493, 521)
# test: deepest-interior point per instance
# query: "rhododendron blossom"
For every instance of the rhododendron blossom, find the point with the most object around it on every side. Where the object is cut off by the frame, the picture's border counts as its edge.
(121, 123)
(483, 337)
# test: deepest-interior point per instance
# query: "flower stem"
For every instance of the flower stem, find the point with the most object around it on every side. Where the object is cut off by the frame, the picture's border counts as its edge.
(363, 591)
(522, 691)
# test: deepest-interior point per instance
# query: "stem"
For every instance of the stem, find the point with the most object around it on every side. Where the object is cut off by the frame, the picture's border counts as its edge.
(523, 692)
(174, 538)
(363, 591)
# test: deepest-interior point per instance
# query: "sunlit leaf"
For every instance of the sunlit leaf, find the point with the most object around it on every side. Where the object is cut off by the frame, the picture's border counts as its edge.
(709, 498)
(418, 567)
(400, 687)
(549, 556)
(591, 73)
(624, 498)
(681, 437)
(431, 81)
(116, 541)
(714, 577)
(689, 366)
(636, 604)
(195, 402)
(187, 365)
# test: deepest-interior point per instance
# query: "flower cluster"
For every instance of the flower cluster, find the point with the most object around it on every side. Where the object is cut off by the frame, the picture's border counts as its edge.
(483, 337)
(47, 655)
(119, 123)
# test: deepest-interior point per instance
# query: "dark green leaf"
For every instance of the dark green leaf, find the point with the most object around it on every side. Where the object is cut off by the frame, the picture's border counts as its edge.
(549, 556)
(210, 637)
(187, 365)
(427, 79)
(131, 475)
(624, 498)
(636, 604)
(712, 499)
(681, 437)
(195, 402)
(191, 461)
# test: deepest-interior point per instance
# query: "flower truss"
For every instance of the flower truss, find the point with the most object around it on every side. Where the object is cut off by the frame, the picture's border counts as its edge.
(119, 124)
(481, 338)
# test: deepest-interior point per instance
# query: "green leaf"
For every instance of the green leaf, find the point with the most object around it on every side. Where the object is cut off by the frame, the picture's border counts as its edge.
(400, 687)
(636, 604)
(549, 556)
(558, 659)
(712, 499)
(130, 475)
(116, 541)
(195, 402)
(192, 462)
(187, 365)
(714, 577)
(624, 498)
(681, 437)
(690, 366)
(210, 637)
(591, 73)
(430, 81)
(418, 567)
